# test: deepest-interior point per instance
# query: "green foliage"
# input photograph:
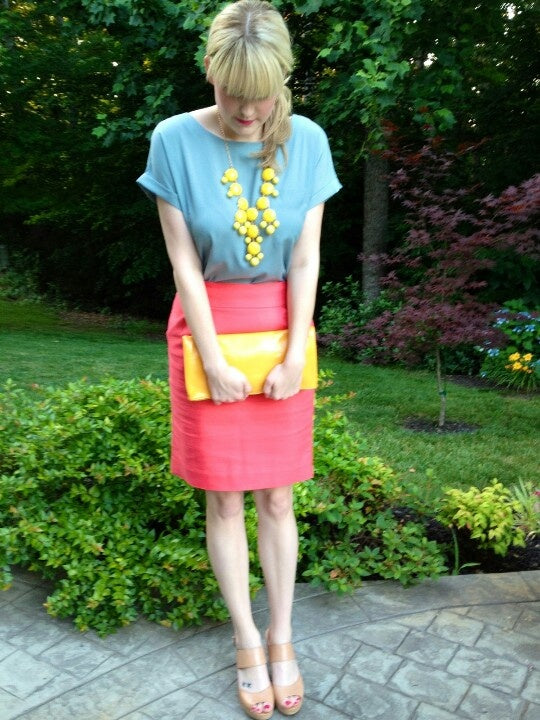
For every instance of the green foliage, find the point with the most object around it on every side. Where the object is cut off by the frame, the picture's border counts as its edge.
(528, 514)
(490, 515)
(18, 281)
(364, 48)
(347, 529)
(520, 326)
(87, 500)
(345, 309)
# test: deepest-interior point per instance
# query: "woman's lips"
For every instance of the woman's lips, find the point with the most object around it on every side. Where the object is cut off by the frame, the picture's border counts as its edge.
(245, 123)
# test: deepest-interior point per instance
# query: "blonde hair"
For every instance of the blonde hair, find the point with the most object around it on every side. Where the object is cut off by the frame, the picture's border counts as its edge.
(249, 56)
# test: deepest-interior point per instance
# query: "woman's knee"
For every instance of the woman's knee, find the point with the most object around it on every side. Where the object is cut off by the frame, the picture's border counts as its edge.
(276, 503)
(224, 505)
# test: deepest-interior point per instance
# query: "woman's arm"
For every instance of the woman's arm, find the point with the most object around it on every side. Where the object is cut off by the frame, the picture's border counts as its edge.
(284, 380)
(226, 383)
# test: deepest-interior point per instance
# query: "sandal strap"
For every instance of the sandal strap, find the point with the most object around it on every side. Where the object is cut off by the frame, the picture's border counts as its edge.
(282, 652)
(250, 657)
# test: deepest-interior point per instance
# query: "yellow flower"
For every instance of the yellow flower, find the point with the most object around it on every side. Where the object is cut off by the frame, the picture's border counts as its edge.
(515, 356)
(517, 366)
(528, 357)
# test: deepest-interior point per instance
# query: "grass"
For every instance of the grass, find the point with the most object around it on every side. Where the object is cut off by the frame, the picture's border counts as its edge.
(505, 446)
(41, 345)
(44, 346)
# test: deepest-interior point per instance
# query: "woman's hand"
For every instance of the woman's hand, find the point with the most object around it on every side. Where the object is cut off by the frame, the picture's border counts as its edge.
(284, 380)
(227, 384)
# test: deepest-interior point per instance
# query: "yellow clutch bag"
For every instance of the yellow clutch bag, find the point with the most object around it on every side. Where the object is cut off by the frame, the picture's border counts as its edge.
(255, 354)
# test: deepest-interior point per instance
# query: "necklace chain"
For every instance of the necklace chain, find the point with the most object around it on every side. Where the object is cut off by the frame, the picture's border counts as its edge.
(222, 131)
(247, 223)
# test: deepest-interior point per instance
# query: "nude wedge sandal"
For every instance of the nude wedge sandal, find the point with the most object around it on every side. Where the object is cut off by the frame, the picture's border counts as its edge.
(257, 705)
(288, 698)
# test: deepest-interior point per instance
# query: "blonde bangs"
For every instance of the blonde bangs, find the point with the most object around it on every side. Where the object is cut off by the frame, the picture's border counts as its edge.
(247, 71)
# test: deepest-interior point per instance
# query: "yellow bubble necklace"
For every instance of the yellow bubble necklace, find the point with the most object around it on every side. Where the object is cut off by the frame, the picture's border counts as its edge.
(251, 222)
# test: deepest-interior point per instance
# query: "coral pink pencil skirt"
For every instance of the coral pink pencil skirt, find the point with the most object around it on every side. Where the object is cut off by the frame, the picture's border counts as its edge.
(249, 445)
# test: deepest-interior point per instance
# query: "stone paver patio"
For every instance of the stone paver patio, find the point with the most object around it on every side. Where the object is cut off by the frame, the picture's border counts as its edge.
(463, 647)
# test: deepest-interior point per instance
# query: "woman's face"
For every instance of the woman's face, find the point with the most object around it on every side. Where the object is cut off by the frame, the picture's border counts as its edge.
(243, 119)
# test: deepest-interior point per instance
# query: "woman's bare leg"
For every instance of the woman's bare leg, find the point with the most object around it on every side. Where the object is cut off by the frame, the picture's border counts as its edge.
(278, 552)
(228, 550)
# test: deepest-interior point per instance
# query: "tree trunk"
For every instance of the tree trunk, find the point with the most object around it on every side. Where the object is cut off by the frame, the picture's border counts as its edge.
(375, 222)
(441, 386)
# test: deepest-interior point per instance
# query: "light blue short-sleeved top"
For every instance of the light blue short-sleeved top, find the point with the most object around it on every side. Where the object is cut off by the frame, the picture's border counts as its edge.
(185, 165)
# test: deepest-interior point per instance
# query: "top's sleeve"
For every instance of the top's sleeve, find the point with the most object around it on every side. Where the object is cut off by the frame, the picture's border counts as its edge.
(158, 179)
(325, 181)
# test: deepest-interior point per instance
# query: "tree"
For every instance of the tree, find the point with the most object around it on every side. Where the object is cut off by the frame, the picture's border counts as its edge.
(86, 80)
(424, 68)
(436, 277)
(68, 182)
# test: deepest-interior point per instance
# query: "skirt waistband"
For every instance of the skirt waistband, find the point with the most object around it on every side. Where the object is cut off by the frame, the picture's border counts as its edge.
(240, 295)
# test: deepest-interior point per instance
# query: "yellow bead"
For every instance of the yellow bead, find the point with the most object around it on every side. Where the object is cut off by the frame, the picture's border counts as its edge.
(275, 192)
(276, 223)
(236, 226)
(275, 180)
(248, 256)
(254, 261)
(267, 189)
(253, 231)
(260, 255)
(269, 215)
(253, 248)
(242, 203)
(263, 224)
(268, 173)
(252, 213)
(240, 216)
(242, 229)
(247, 239)
(224, 180)
(231, 174)
(235, 189)
(262, 203)
(270, 230)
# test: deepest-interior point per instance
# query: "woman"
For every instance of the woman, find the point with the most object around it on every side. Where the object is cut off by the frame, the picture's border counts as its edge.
(240, 189)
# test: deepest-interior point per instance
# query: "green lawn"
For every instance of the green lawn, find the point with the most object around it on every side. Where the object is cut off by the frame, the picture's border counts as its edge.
(506, 446)
(44, 346)
(40, 345)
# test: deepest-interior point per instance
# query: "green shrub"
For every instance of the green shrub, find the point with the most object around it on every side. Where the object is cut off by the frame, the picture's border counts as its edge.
(490, 515)
(347, 527)
(87, 501)
(19, 280)
(345, 309)
(527, 513)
